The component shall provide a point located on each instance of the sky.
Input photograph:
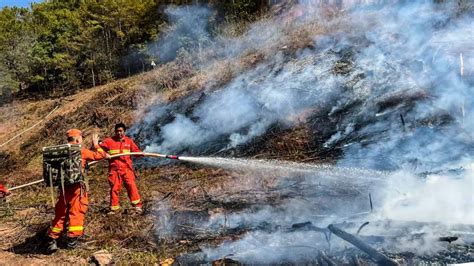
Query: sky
(20, 3)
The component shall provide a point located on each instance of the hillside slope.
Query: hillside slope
(371, 107)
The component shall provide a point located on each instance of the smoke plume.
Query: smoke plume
(389, 75)
(187, 32)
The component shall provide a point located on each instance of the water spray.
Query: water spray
(287, 167)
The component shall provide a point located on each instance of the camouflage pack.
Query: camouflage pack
(62, 165)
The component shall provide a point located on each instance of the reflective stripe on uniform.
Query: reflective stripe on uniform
(75, 228)
(114, 208)
(55, 229)
(135, 201)
(118, 151)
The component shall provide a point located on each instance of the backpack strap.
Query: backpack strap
(51, 187)
(61, 174)
(85, 177)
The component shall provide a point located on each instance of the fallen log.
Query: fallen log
(448, 238)
(378, 257)
(308, 226)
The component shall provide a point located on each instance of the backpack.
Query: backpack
(62, 165)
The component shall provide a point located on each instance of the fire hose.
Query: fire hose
(4, 191)
(30, 128)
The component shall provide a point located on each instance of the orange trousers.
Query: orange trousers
(127, 177)
(71, 207)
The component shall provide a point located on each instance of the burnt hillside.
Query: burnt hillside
(313, 115)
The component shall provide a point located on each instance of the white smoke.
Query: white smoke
(187, 31)
(276, 98)
(250, 104)
(403, 106)
(264, 248)
(439, 197)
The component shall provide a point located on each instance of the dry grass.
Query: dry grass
(129, 238)
(99, 107)
(132, 239)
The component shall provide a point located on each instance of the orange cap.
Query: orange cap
(73, 133)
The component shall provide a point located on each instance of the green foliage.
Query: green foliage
(63, 45)
(16, 40)
(53, 57)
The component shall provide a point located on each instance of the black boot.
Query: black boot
(72, 242)
(52, 246)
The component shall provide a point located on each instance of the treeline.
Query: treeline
(63, 45)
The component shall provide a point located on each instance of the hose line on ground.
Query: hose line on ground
(30, 128)
(145, 154)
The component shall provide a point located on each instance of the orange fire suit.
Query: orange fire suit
(121, 170)
(72, 205)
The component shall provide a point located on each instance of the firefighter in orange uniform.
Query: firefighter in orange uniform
(121, 169)
(72, 205)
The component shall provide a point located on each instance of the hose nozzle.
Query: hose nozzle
(174, 157)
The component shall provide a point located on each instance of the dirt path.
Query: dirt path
(9, 258)
(11, 233)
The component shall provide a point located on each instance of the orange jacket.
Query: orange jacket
(88, 155)
(115, 146)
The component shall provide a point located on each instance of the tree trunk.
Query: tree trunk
(93, 76)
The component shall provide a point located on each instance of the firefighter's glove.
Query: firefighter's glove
(95, 139)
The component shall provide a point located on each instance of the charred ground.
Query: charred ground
(183, 194)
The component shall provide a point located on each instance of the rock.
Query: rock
(102, 257)
(167, 262)
(27, 212)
